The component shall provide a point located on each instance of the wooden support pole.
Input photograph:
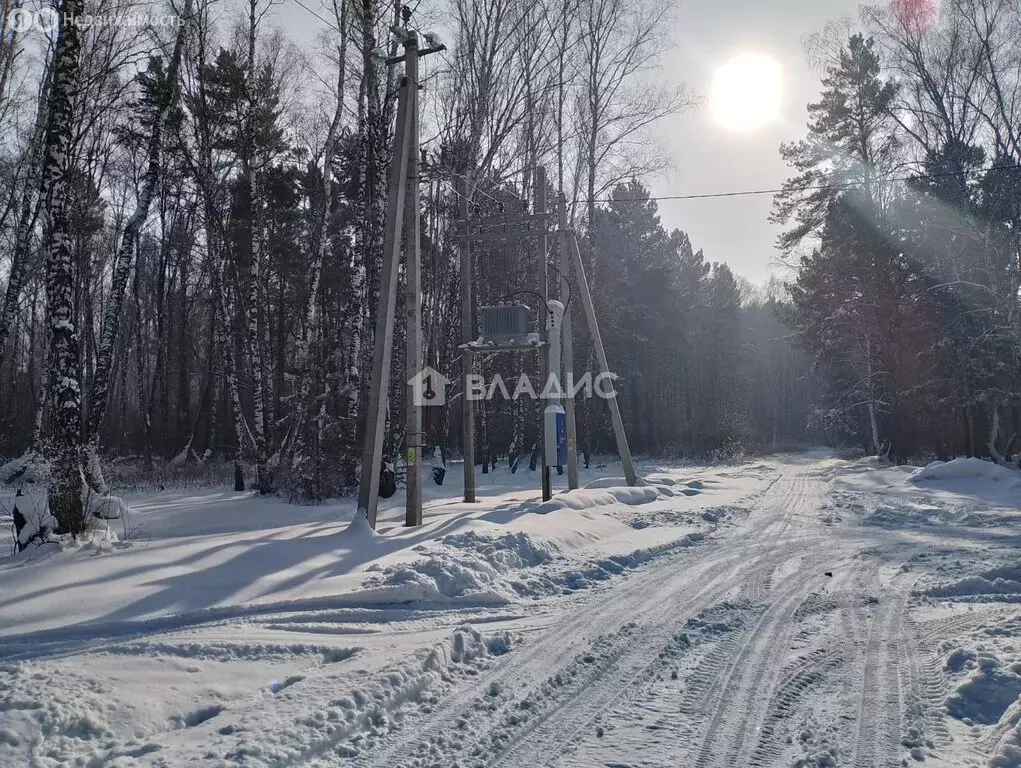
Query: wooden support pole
(590, 313)
(372, 448)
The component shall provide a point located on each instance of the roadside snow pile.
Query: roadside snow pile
(357, 718)
(439, 578)
(470, 645)
(473, 572)
(1008, 739)
(482, 567)
(592, 498)
(985, 681)
(487, 570)
(963, 469)
(998, 582)
(512, 550)
(986, 695)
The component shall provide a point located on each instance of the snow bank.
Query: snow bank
(497, 571)
(27, 468)
(1008, 744)
(512, 550)
(468, 566)
(598, 497)
(963, 469)
(998, 581)
(357, 717)
(986, 695)
(438, 578)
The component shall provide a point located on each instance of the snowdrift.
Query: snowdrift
(964, 469)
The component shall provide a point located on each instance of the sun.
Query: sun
(746, 92)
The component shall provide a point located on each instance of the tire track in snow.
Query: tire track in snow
(741, 704)
(688, 588)
(747, 689)
(805, 673)
(878, 741)
(773, 627)
(641, 598)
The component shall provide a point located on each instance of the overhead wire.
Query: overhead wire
(809, 188)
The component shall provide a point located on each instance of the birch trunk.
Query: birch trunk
(27, 217)
(223, 308)
(100, 394)
(254, 311)
(65, 492)
(994, 431)
(320, 242)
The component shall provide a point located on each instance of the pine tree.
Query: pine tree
(846, 293)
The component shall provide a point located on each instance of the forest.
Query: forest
(192, 225)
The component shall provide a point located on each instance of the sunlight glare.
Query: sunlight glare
(746, 92)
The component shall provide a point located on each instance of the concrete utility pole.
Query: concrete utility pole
(401, 204)
(604, 367)
(566, 297)
(372, 448)
(540, 210)
(413, 295)
(502, 228)
(467, 336)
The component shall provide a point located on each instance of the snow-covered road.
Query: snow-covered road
(830, 620)
(748, 626)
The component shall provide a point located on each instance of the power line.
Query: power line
(811, 188)
(326, 21)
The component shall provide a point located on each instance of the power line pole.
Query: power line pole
(467, 336)
(372, 448)
(413, 294)
(540, 211)
(402, 202)
(568, 345)
(604, 367)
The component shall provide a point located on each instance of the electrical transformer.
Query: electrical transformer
(506, 324)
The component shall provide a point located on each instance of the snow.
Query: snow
(26, 469)
(33, 506)
(1008, 741)
(964, 469)
(793, 611)
(106, 507)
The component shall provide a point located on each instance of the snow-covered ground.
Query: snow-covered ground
(796, 611)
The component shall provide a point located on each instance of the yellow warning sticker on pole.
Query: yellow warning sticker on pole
(412, 456)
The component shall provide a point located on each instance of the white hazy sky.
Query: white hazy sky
(706, 157)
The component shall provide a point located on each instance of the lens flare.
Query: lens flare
(916, 16)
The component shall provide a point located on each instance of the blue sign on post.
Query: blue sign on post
(561, 439)
(556, 436)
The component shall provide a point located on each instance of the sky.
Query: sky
(708, 158)
(705, 157)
